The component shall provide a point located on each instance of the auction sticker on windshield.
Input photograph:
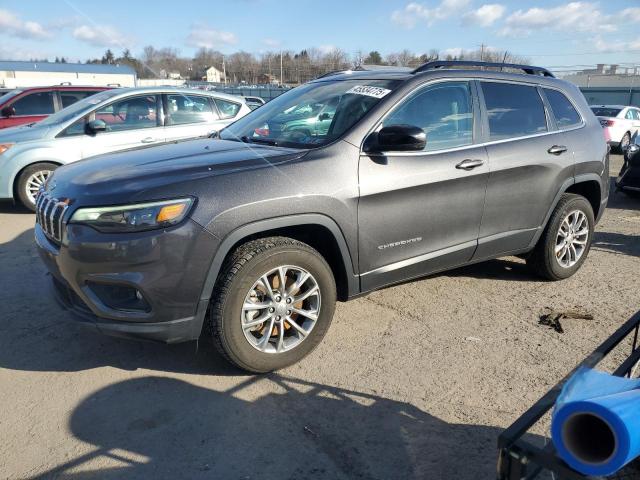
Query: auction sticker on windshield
(376, 92)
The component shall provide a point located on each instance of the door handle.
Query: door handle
(470, 164)
(148, 140)
(557, 150)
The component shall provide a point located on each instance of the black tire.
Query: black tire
(626, 138)
(543, 261)
(21, 183)
(237, 276)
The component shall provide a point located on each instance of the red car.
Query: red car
(29, 105)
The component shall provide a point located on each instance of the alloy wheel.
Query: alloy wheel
(281, 309)
(572, 238)
(34, 182)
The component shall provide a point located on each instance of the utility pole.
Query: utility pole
(482, 52)
(281, 79)
(224, 70)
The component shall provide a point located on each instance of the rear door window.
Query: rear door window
(69, 97)
(227, 109)
(563, 110)
(513, 110)
(185, 109)
(37, 103)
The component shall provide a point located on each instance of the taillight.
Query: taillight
(262, 131)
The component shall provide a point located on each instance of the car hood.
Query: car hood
(23, 133)
(130, 175)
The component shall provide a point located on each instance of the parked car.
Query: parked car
(29, 105)
(254, 102)
(256, 234)
(107, 122)
(629, 177)
(620, 123)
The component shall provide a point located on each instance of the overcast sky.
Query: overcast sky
(550, 33)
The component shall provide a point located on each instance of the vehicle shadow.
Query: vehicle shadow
(619, 243)
(36, 335)
(156, 427)
(507, 269)
(7, 206)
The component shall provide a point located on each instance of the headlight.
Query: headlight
(4, 147)
(134, 218)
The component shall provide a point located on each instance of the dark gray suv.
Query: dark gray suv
(251, 237)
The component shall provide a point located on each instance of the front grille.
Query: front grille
(49, 215)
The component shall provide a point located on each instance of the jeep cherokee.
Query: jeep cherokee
(251, 237)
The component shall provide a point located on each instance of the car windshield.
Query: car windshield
(72, 111)
(311, 115)
(606, 111)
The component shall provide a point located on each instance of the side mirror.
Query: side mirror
(96, 126)
(632, 149)
(397, 138)
(324, 116)
(8, 112)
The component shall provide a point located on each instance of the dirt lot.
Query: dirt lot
(414, 381)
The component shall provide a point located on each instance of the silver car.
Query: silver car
(107, 122)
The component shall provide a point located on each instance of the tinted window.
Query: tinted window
(444, 111)
(629, 115)
(69, 97)
(564, 112)
(129, 114)
(40, 103)
(227, 109)
(606, 111)
(76, 128)
(182, 109)
(513, 110)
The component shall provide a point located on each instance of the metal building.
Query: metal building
(33, 74)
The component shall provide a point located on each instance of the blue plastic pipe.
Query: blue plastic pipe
(596, 422)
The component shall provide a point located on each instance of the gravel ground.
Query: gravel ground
(414, 381)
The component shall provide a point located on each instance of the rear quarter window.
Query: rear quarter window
(513, 110)
(563, 110)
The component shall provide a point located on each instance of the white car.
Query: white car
(620, 123)
(107, 122)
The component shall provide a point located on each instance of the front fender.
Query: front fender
(12, 163)
(276, 223)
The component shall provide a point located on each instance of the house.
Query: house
(214, 75)
(20, 74)
(268, 79)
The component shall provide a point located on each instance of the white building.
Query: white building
(35, 74)
(214, 75)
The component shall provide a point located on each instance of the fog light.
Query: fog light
(120, 297)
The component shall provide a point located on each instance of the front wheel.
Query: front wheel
(30, 180)
(565, 242)
(272, 304)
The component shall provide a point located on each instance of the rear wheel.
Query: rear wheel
(272, 304)
(565, 242)
(30, 180)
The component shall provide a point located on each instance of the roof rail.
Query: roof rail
(438, 64)
(335, 72)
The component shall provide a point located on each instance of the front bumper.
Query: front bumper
(168, 267)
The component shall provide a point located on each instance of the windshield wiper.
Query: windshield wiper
(264, 141)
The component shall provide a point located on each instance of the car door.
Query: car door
(528, 159)
(190, 116)
(29, 107)
(420, 212)
(131, 122)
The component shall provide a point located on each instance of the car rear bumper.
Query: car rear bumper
(167, 268)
